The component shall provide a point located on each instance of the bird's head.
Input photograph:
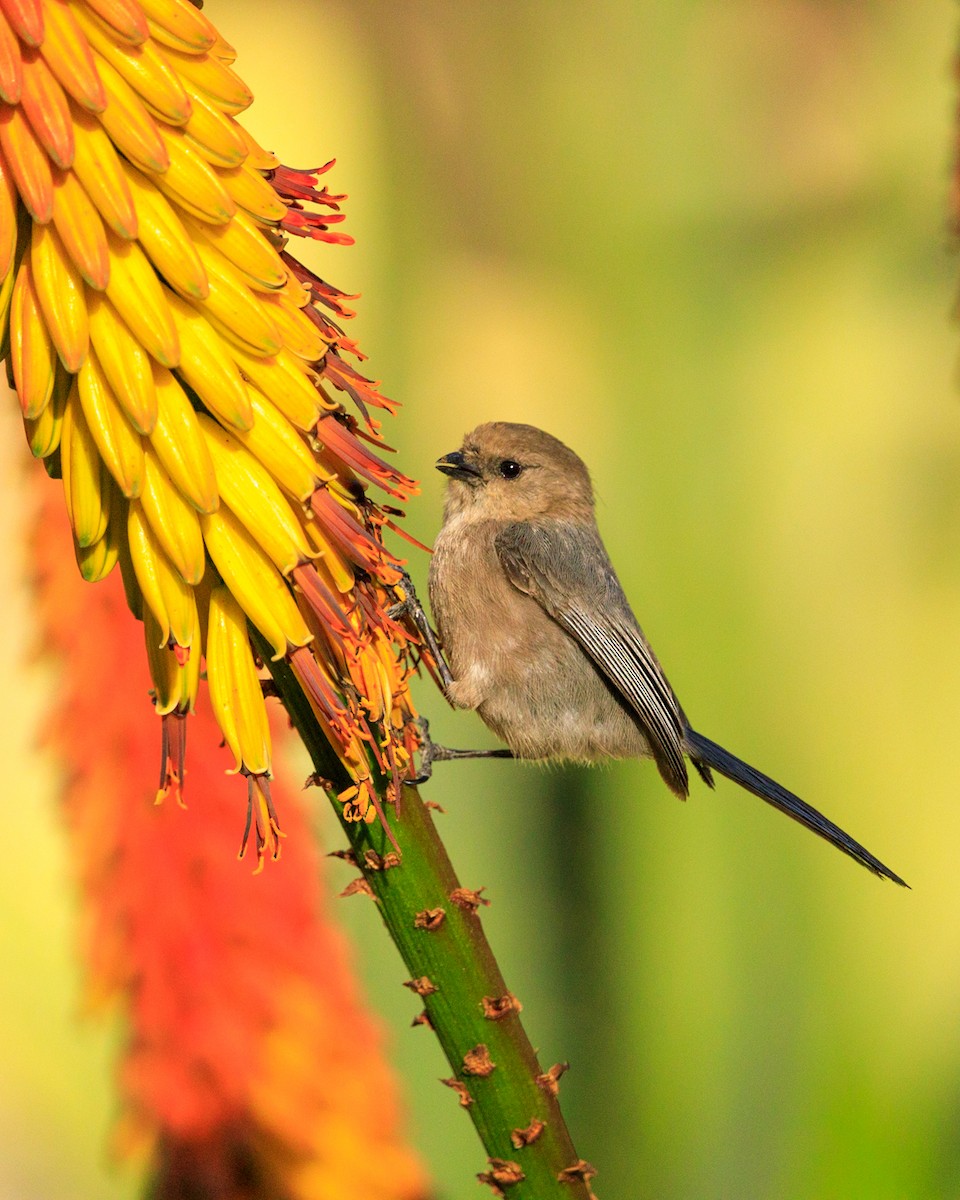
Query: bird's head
(508, 472)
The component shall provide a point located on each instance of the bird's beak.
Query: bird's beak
(455, 465)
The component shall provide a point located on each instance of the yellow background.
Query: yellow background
(706, 245)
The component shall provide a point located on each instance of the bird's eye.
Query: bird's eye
(509, 469)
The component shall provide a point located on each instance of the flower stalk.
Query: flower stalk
(434, 922)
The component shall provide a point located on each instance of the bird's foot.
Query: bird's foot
(431, 752)
(411, 607)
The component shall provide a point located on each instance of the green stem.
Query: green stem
(435, 926)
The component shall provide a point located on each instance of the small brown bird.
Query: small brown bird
(540, 637)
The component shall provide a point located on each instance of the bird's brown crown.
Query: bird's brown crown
(511, 472)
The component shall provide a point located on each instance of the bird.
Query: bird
(540, 639)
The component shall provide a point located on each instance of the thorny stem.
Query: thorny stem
(434, 923)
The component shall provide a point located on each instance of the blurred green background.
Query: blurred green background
(706, 245)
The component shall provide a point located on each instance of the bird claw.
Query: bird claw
(411, 607)
(410, 604)
(431, 752)
(428, 753)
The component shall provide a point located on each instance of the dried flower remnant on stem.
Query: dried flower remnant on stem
(183, 374)
(527, 1136)
(478, 1062)
(502, 1174)
(496, 1008)
(550, 1079)
(463, 1092)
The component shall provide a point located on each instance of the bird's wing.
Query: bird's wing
(564, 567)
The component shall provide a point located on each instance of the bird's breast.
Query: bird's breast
(487, 627)
(529, 680)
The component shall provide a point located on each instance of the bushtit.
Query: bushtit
(540, 637)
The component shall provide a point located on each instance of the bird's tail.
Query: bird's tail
(712, 755)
